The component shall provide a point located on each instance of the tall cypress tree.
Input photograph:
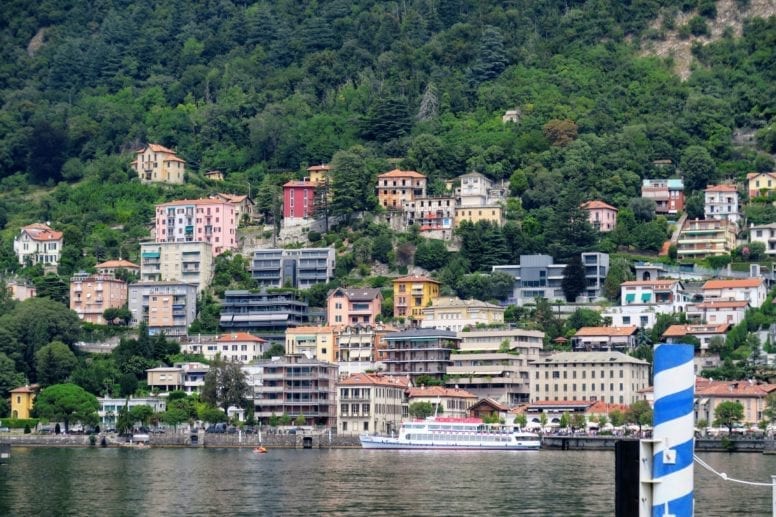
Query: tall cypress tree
(573, 283)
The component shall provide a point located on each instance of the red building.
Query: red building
(298, 199)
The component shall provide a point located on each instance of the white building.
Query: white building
(38, 244)
(765, 234)
(752, 290)
(110, 406)
(704, 332)
(240, 347)
(371, 403)
(721, 202)
(605, 338)
(611, 377)
(718, 311)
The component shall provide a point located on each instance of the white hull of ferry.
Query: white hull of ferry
(381, 442)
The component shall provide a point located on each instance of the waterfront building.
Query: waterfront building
(263, 313)
(703, 238)
(538, 276)
(357, 348)
(601, 215)
(351, 306)
(192, 220)
(411, 294)
(158, 164)
(487, 408)
(495, 363)
(397, 186)
(23, 400)
(611, 377)
(90, 295)
(760, 183)
(298, 268)
(753, 396)
(452, 313)
(453, 402)
(371, 403)
(668, 194)
(109, 408)
(766, 235)
(188, 377)
(555, 409)
(296, 386)
(38, 244)
(752, 290)
(188, 262)
(168, 307)
(419, 352)
(605, 338)
(110, 267)
(720, 202)
(317, 342)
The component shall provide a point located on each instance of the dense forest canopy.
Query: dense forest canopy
(260, 90)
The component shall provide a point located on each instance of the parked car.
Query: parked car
(231, 430)
(4, 430)
(216, 428)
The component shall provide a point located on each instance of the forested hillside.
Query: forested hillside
(260, 90)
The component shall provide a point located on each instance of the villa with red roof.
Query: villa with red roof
(110, 267)
(718, 311)
(371, 403)
(752, 290)
(319, 174)
(38, 244)
(752, 395)
(704, 333)
(601, 215)
(605, 338)
(158, 164)
(240, 347)
(397, 186)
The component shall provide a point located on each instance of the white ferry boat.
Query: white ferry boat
(454, 433)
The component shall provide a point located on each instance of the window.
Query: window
(344, 426)
(366, 426)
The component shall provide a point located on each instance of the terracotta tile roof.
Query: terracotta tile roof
(232, 198)
(322, 167)
(733, 284)
(710, 388)
(366, 379)
(752, 175)
(203, 202)
(606, 331)
(604, 408)
(655, 284)
(156, 148)
(592, 205)
(41, 232)
(487, 401)
(439, 391)
(415, 278)
(31, 388)
(241, 337)
(723, 304)
(310, 329)
(298, 183)
(396, 173)
(563, 403)
(116, 263)
(689, 330)
(720, 188)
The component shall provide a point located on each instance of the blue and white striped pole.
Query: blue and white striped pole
(674, 431)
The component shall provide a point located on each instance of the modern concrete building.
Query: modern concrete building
(703, 238)
(188, 377)
(158, 164)
(198, 220)
(538, 276)
(296, 386)
(90, 295)
(371, 403)
(263, 313)
(419, 352)
(189, 262)
(720, 202)
(668, 194)
(611, 377)
(317, 342)
(298, 268)
(496, 363)
(38, 244)
(411, 294)
(168, 307)
(358, 348)
(351, 306)
(452, 313)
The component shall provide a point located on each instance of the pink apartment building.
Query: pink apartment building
(90, 295)
(602, 216)
(346, 306)
(198, 220)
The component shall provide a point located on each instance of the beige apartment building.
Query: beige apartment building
(452, 313)
(318, 342)
(371, 403)
(611, 377)
(90, 295)
(189, 262)
(158, 164)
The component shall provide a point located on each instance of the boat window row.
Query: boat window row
(457, 438)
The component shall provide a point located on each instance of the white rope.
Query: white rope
(725, 476)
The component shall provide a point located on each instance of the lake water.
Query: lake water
(47, 481)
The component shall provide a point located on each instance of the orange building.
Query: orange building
(90, 295)
(411, 294)
(396, 187)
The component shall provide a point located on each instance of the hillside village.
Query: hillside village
(355, 213)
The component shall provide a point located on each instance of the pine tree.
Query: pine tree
(573, 283)
(492, 58)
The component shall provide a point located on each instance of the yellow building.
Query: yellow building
(319, 174)
(493, 214)
(158, 164)
(411, 294)
(23, 400)
(320, 342)
(760, 183)
(452, 313)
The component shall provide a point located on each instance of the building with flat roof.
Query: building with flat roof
(188, 377)
(419, 352)
(605, 338)
(318, 342)
(704, 238)
(192, 220)
(189, 262)
(108, 411)
(165, 307)
(298, 268)
(411, 294)
(371, 403)
(263, 313)
(611, 377)
(90, 295)
(452, 313)
(721, 202)
(668, 194)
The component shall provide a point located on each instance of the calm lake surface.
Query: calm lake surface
(48, 481)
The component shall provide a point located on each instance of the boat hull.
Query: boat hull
(377, 442)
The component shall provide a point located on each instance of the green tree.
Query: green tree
(698, 168)
(565, 420)
(578, 421)
(521, 420)
(491, 61)
(225, 385)
(54, 363)
(583, 317)
(67, 403)
(141, 413)
(174, 416)
(617, 417)
(431, 254)
(619, 271)
(211, 415)
(643, 208)
(728, 413)
(424, 409)
(639, 413)
(300, 420)
(9, 377)
(127, 384)
(574, 282)
(353, 180)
